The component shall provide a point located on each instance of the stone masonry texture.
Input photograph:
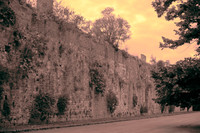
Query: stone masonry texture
(65, 71)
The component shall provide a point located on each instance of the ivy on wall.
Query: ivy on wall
(97, 80)
(42, 108)
(62, 104)
(7, 15)
(143, 109)
(22, 54)
(112, 101)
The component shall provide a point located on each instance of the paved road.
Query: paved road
(185, 123)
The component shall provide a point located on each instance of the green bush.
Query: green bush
(97, 78)
(135, 99)
(143, 109)
(42, 108)
(62, 104)
(112, 101)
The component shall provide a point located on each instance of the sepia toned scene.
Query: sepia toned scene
(88, 66)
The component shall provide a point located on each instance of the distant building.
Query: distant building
(44, 6)
(143, 57)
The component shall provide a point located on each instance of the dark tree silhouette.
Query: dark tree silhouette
(188, 14)
(178, 84)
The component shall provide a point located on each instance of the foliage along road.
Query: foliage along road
(184, 123)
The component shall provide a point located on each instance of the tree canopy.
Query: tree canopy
(110, 28)
(188, 14)
(178, 84)
(69, 16)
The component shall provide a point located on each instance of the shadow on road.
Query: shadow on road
(190, 128)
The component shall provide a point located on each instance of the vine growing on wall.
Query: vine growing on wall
(26, 51)
(24, 48)
(7, 15)
(97, 80)
(112, 101)
(42, 108)
(33, 51)
(143, 109)
(62, 104)
(22, 54)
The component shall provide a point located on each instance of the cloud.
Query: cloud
(139, 19)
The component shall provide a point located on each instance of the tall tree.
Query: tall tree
(188, 14)
(110, 28)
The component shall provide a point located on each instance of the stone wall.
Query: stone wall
(65, 71)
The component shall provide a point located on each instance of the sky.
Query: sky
(147, 29)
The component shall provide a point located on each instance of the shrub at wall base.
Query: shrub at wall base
(42, 109)
(112, 101)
